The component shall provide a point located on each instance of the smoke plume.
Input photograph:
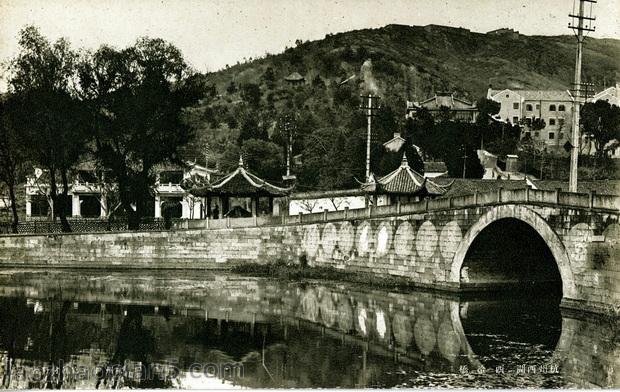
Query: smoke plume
(369, 83)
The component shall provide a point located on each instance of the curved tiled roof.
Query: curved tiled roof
(405, 180)
(294, 77)
(241, 182)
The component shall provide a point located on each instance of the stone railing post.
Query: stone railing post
(228, 222)
(369, 210)
(527, 194)
(475, 198)
(346, 212)
(499, 194)
(450, 202)
(592, 196)
(300, 216)
(207, 223)
(557, 195)
(426, 204)
(324, 214)
(255, 220)
(398, 206)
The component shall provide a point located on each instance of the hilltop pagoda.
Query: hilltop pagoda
(403, 185)
(240, 193)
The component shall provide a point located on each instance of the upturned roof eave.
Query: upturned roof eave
(260, 186)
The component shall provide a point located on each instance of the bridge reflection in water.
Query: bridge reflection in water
(260, 333)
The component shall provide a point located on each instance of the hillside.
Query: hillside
(408, 63)
(415, 62)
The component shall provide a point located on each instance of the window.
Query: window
(528, 107)
(537, 134)
(552, 108)
(515, 105)
(561, 108)
(552, 121)
(515, 120)
(551, 135)
(537, 106)
(507, 95)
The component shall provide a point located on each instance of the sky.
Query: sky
(213, 33)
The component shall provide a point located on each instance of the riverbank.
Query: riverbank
(299, 273)
(296, 272)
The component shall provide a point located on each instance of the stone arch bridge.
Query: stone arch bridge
(567, 242)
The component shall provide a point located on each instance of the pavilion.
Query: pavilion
(403, 185)
(240, 193)
(295, 79)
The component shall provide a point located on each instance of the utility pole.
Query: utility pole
(289, 128)
(370, 107)
(464, 160)
(289, 150)
(577, 24)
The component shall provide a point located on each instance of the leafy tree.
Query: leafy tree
(12, 157)
(486, 108)
(210, 90)
(232, 87)
(46, 111)
(333, 158)
(250, 128)
(601, 120)
(345, 96)
(263, 158)
(136, 96)
(269, 77)
(317, 82)
(251, 94)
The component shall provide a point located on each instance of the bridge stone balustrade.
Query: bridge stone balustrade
(440, 244)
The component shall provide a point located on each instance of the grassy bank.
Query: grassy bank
(289, 272)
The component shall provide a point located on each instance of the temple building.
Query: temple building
(241, 194)
(89, 191)
(403, 185)
(170, 195)
(457, 109)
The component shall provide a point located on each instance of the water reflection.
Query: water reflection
(174, 330)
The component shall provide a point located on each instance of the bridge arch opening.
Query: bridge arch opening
(513, 245)
(510, 253)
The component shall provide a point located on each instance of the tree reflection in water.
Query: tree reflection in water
(282, 334)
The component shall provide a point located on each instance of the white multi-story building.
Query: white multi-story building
(555, 107)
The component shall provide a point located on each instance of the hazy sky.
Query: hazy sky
(213, 33)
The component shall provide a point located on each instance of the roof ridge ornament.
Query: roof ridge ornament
(241, 160)
(404, 161)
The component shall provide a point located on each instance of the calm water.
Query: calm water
(110, 330)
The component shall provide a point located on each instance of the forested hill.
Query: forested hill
(414, 61)
(408, 63)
